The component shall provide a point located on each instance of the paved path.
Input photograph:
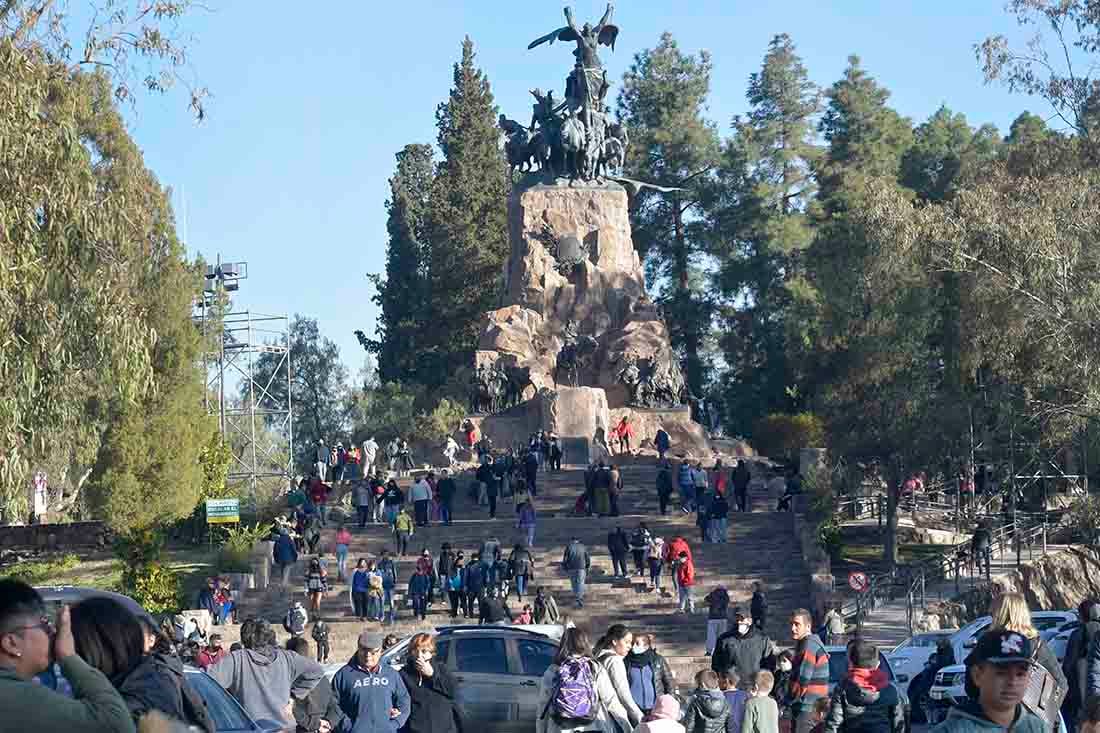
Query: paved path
(888, 624)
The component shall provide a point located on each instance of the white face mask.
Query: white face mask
(785, 666)
(640, 648)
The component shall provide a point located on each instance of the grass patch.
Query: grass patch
(41, 572)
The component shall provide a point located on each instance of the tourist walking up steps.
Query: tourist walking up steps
(639, 543)
(647, 673)
(718, 608)
(576, 562)
(610, 651)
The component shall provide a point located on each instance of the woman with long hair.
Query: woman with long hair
(431, 689)
(610, 650)
(574, 661)
(111, 639)
(1010, 612)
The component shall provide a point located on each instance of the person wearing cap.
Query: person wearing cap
(212, 653)
(264, 678)
(865, 701)
(997, 674)
(372, 695)
(744, 649)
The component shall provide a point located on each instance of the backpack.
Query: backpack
(574, 700)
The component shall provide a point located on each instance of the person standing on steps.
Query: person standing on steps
(615, 490)
(284, 555)
(555, 453)
(758, 607)
(618, 546)
(402, 531)
(664, 486)
(744, 649)
(639, 543)
(576, 562)
(493, 610)
(741, 478)
(684, 568)
(662, 442)
(531, 471)
(522, 565)
(672, 552)
(420, 585)
(343, 539)
(475, 583)
(686, 483)
(370, 454)
(610, 651)
(359, 589)
(655, 555)
(492, 487)
(364, 502)
(388, 570)
(447, 491)
(526, 519)
(455, 582)
(545, 607)
(810, 674)
(392, 499)
(421, 495)
(718, 609)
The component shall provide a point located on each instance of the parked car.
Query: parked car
(909, 657)
(225, 711)
(497, 670)
(838, 670)
(949, 686)
(56, 596)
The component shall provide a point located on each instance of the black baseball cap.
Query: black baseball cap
(1002, 647)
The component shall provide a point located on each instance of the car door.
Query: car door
(533, 656)
(486, 690)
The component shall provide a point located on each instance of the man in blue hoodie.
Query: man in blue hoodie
(371, 694)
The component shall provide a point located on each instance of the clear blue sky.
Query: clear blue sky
(289, 171)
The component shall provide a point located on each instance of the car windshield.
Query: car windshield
(223, 709)
(922, 640)
(838, 666)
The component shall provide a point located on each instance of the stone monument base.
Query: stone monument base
(688, 436)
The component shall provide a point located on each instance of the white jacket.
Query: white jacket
(625, 706)
(606, 720)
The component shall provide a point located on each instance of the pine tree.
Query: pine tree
(467, 222)
(662, 106)
(762, 227)
(402, 294)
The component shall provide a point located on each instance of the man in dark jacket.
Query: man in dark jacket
(447, 491)
(284, 555)
(576, 562)
(758, 607)
(531, 471)
(981, 548)
(664, 486)
(741, 479)
(317, 707)
(618, 545)
(492, 610)
(208, 601)
(371, 694)
(1092, 669)
(1076, 659)
(865, 701)
(662, 443)
(744, 649)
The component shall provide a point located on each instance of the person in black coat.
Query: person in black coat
(618, 545)
(319, 705)
(865, 701)
(431, 689)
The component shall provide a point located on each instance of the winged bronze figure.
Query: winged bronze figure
(588, 37)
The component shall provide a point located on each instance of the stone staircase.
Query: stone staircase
(761, 547)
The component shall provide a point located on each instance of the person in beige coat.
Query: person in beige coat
(610, 651)
(575, 643)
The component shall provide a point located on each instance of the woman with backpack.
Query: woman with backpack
(575, 693)
(647, 673)
(610, 650)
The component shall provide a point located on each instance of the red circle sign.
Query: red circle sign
(858, 581)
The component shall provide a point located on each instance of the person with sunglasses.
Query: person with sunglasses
(27, 638)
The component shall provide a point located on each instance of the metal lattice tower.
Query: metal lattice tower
(254, 411)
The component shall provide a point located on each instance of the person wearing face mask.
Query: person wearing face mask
(610, 650)
(647, 674)
(744, 649)
(784, 663)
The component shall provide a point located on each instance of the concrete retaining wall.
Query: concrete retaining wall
(55, 536)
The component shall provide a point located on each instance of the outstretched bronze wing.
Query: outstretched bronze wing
(608, 34)
(561, 34)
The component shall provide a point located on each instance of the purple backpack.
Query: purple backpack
(574, 698)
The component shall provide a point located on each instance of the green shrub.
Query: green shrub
(157, 588)
(782, 436)
(235, 553)
(42, 572)
(1083, 520)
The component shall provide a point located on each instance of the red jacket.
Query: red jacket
(205, 657)
(673, 549)
(685, 574)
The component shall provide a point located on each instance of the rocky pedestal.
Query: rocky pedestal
(573, 266)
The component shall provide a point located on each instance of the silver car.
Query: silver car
(497, 670)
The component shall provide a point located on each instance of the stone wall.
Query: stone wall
(1055, 582)
(55, 536)
(815, 558)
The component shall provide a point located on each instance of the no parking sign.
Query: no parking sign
(858, 582)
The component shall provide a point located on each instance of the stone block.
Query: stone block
(574, 412)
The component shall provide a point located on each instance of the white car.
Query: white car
(909, 657)
(949, 686)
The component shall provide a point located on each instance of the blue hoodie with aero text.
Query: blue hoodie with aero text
(366, 698)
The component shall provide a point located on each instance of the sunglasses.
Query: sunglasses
(44, 623)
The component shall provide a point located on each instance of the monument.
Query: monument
(578, 343)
